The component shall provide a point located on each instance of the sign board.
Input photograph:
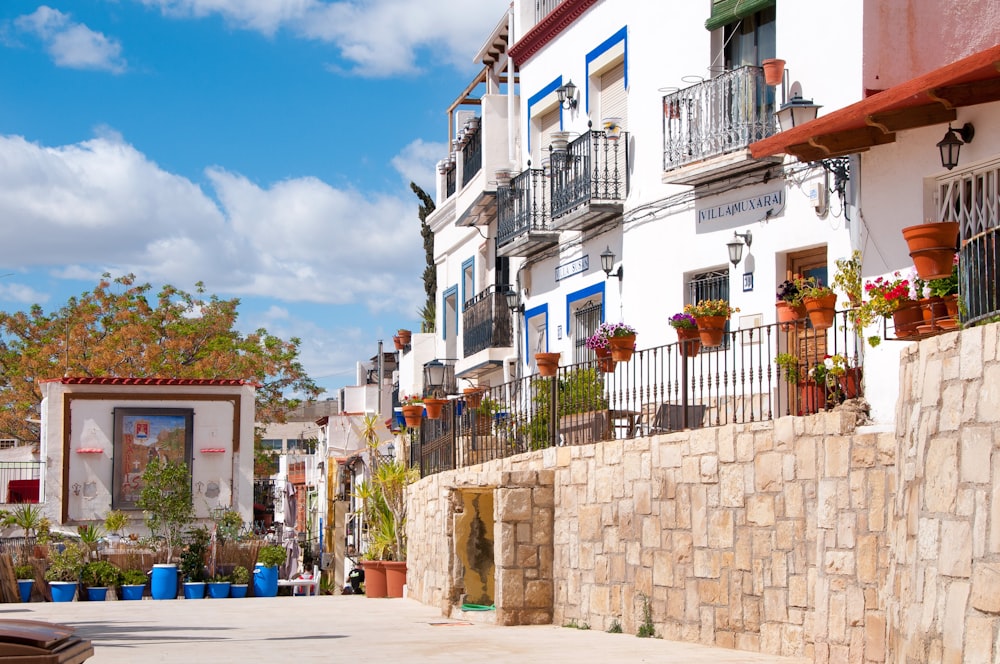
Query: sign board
(577, 266)
(745, 210)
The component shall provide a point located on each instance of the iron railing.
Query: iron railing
(978, 276)
(472, 155)
(522, 207)
(658, 390)
(22, 481)
(593, 168)
(544, 7)
(721, 115)
(450, 180)
(486, 322)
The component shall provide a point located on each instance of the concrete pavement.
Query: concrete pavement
(341, 629)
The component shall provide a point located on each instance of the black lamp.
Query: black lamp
(567, 95)
(608, 262)
(951, 144)
(513, 303)
(736, 246)
(434, 375)
(797, 111)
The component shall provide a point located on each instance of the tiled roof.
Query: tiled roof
(122, 380)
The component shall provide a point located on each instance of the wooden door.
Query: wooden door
(808, 344)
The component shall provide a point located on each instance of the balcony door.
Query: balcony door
(614, 100)
(806, 344)
(548, 124)
(750, 40)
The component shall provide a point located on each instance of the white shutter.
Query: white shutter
(547, 124)
(614, 101)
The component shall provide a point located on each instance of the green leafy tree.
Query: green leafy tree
(165, 498)
(119, 329)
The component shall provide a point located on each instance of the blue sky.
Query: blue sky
(263, 147)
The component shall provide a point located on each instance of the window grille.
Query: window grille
(585, 322)
(712, 285)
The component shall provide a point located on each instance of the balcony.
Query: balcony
(708, 127)
(589, 181)
(524, 226)
(472, 153)
(487, 333)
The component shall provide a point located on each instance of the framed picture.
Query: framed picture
(144, 434)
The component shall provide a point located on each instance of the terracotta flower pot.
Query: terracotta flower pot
(413, 415)
(906, 318)
(850, 383)
(433, 408)
(951, 307)
(605, 363)
(397, 342)
(821, 310)
(375, 582)
(395, 577)
(622, 347)
(473, 396)
(812, 398)
(932, 248)
(933, 311)
(689, 340)
(774, 71)
(405, 336)
(711, 330)
(548, 363)
(789, 314)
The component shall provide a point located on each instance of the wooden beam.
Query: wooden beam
(910, 118)
(967, 94)
(851, 140)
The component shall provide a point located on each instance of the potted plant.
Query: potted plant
(97, 576)
(115, 523)
(598, 342)
(891, 297)
(821, 304)
(827, 375)
(238, 581)
(133, 583)
(25, 574)
(789, 366)
(265, 573)
(547, 363)
(413, 410)
(64, 570)
(25, 516)
(711, 317)
(434, 406)
(405, 336)
(165, 498)
(621, 339)
(193, 563)
(473, 395)
(484, 414)
(932, 247)
(218, 586)
(946, 289)
(788, 305)
(687, 333)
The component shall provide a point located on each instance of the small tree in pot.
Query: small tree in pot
(165, 498)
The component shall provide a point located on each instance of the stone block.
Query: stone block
(775, 605)
(760, 510)
(798, 593)
(805, 458)
(826, 504)
(977, 447)
(953, 626)
(955, 558)
(709, 469)
(699, 515)
(590, 524)
(515, 504)
(979, 639)
(720, 529)
(836, 456)
(837, 617)
(767, 471)
(886, 446)
(702, 441)
(706, 564)
(867, 558)
(839, 562)
(986, 588)
(731, 486)
(642, 498)
(941, 482)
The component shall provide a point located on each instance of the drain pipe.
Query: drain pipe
(510, 86)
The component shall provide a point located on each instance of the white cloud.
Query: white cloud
(381, 37)
(70, 44)
(418, 163)
(101, 206)
(24, 294)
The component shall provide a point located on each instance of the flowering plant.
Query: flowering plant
(791, 290)
(410, 400)
(886, 295)
(827, 372)
(683, 321)
(597, 341)
(609, 330)
(710, 308)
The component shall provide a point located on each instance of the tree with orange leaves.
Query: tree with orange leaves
(115, 330)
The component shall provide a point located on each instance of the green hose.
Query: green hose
(478, 607)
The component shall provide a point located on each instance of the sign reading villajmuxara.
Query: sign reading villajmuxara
(744, 210)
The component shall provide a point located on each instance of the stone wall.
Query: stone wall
(767, 537)
(943, 589)
(801, 536)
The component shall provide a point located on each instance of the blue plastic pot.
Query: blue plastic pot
(218, 590)
(98, 594)
(62, 591)
(238, 591)
(163, 585)
(265, 581)
(24, 586)
(132, 592)
(194, 590)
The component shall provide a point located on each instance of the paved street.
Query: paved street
(340, 629)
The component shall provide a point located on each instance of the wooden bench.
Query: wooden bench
(310, 585)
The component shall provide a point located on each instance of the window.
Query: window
(585, 321)
(711, 285)
(750, 39)
(468, 282)
(271, 444)
(7, 443)
(293, 444)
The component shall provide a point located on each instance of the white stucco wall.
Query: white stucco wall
(87, 491)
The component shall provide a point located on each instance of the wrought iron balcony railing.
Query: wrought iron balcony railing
(544, 7)
(486, 322)
(472, 155)
(450, 178)
(721, 115)
(593, 168)
(523, 206)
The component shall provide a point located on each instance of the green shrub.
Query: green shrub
(240, 576)
(133, 577)
(100, 574)
(272, 555)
